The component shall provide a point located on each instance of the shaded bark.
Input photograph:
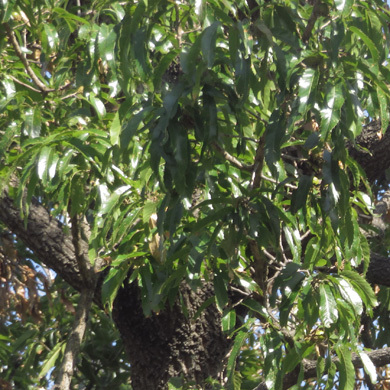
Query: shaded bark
(45, 236)
(372, 151)
(170, 343)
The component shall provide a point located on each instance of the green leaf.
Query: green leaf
(69, 16)
(175, 383)
(212, 218)
(369, 366)
(6, 10)
(346, 368)
(307, 87)
(383, 105)
(115, 130)
(293, 240)
(238, 342)
(209, 38)
(362, 287)
(328, 306)
(370, 44)
(97, 105)
(220, 290)
(112, 282)
(43, 162)
(344, 6)
(351, 296)
(330, 114)
(51, 358)
(77, 196)
(229, 321)
(32, 123)
(299, 196)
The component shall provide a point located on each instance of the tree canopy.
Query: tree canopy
(194, 194)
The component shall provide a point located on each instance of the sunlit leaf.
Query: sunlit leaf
(328, 306)
(330, 114)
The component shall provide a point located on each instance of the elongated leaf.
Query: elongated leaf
(328, 306)
(370, 44)
(238, 342)
(209, 38)
(346, 368)
(369, 366)
(351, 296)
(229, 321)
(307, 87)
(32, 124)
(113, 281)
(363, 288)
(43, 161)
(300, 195)
(383, 105)
(330, 114)
(220, 291)
(343, 6)
(51, 359)
(115, 129)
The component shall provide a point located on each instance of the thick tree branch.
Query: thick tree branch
(371, 151)
(75, 338)
(83, 261)
(45, 236)
(319, 9)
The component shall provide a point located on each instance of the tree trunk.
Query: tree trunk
(170, 343)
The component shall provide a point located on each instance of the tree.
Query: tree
(187, 194)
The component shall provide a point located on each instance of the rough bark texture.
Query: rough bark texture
(45, 236)
(372, 151)
(379, 270)
(170, 343)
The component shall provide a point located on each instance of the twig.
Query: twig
(270, 179)
(258, 165)
(19, 53)
(24, 84)
(238, 164)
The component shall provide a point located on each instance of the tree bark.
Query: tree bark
(170, 343)
(371, 151)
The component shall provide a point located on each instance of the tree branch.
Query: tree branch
(24, 84)
(73, 344)
(45, 236)
(316, 12)
(238, 164)
(12, 38)
(83, 261)
(258, 164)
